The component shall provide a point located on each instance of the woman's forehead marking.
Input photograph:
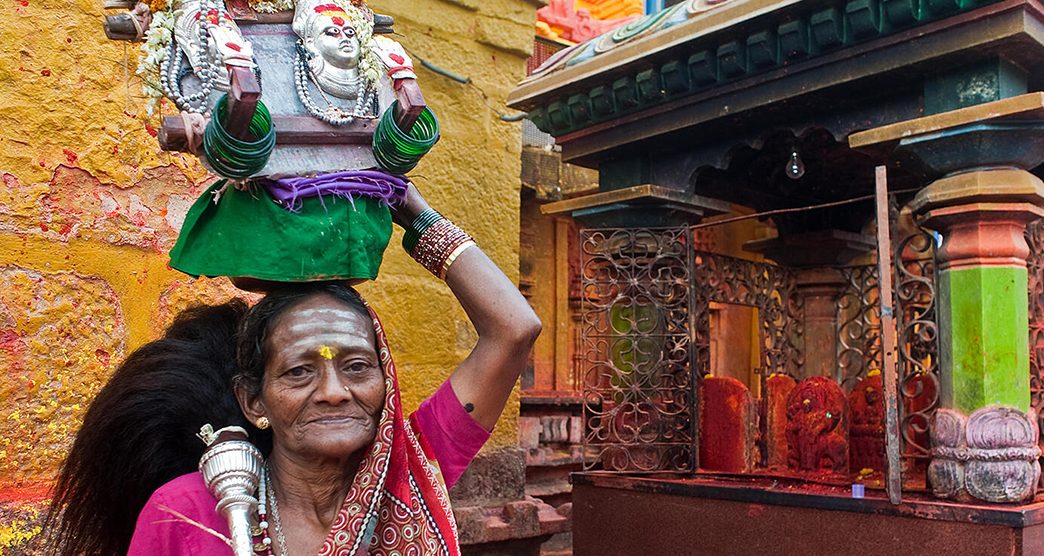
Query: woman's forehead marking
(327, 352)
(333, 327)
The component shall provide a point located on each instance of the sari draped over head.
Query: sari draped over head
(397, 503)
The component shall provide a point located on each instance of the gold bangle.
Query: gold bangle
(453, 257)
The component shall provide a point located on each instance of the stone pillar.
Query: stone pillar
(820, 289)
(819, 286)
(983, 334)
(983, 318)
(984, 443)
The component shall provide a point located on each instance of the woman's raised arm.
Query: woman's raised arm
(506, 325)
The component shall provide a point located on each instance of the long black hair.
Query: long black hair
(139, 432)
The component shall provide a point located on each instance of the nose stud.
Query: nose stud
(346, 388)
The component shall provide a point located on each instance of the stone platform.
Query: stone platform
(708, 515)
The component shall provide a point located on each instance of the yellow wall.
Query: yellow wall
(89, 207)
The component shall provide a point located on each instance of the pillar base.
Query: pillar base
(991, 455)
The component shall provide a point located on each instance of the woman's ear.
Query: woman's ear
(250, 404)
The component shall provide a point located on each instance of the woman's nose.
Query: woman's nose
(332, 388)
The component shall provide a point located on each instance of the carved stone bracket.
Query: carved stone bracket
(992, 455)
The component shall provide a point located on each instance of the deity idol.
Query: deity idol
(340, 55)
(319, 180)
(211, 42)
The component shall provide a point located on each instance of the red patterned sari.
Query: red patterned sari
(398, 502)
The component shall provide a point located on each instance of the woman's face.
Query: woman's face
(323, 387)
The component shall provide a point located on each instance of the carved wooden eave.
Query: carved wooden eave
(700, 72)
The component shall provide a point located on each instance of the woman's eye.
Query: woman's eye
(333, 31)
(359, 367)
(297, 372)
(349, 32)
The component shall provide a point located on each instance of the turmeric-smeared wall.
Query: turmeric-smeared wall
(89, 207)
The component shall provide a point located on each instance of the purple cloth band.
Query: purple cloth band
(289, 192)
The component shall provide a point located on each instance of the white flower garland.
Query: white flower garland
(271, 6)
(154, 51)
(156, 47)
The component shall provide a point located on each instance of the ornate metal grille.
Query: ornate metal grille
(859, 335)
(768, 287)
(859, 325)
(1035, 266)
(639, 395)
(918, 340)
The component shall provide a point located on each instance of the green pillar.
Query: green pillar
(983, 316)
(984, 441)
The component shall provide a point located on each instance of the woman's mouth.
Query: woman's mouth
(335, 419)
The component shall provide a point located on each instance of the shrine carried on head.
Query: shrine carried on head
(307, 111)
(890, 151)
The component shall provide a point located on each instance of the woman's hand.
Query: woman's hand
(404, 214)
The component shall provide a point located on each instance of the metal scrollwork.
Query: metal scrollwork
(639, 396)
(859, 325)
(915, 296)
(769, 288)
(1035, 267)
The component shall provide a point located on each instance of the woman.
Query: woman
(347, 474)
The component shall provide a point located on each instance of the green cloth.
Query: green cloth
(247, 234)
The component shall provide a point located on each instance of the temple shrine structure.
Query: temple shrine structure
(797, 292)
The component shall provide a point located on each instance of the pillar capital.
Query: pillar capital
(831, 248)
(1002, 185)
(982, 216)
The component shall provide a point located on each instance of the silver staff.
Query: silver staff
(231, 469)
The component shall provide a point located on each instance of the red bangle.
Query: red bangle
(439, 245)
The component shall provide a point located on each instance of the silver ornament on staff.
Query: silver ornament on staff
(231, 469)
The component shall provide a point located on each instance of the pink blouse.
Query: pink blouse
(451, 433)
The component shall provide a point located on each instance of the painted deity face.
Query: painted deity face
(337, 41)
(323, 387)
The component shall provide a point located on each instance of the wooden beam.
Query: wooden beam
(1029, 106)
(638, 194)
(889, 354)
(382, 24)
(290, 130)
(243, 96)
(127, 26)
(411, 103)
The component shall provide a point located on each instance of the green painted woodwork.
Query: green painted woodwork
(623, 172)
(763, 49)
(788, 35)
(984, 338)
(985, 81)
(793, 40)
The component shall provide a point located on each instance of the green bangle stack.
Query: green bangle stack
(232, 158)
(422, 222)
(398, 152)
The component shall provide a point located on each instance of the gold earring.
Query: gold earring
(262, 423)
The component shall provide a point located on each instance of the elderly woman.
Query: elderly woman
(315, 384)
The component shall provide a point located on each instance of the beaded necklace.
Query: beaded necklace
(275, 514)
(210, 14)
(170, 68)
(264, 548)
(333, 115)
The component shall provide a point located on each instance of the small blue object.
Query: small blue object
(653, 6)
(858, 490)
